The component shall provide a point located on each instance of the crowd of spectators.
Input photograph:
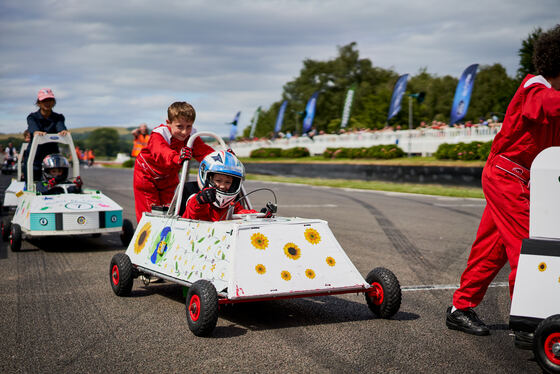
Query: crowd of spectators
(491, 123)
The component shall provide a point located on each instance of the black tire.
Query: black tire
(6, 228)
(546, 344)
(127, 232)
(121, 275)
(384, 299)
(202, 308)
(15, 237)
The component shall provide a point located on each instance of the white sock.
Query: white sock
(453, 308)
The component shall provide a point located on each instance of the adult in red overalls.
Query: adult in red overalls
(158, 164)
(531, 124)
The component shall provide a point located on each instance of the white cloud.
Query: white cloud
(123, 63)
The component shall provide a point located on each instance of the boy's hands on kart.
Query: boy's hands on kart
(185, 154)
(51, 183)
(206, 196)
(78, 182)
(269, 210)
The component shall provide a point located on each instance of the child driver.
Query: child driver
(220, 176)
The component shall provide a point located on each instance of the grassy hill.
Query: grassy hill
(77, 130)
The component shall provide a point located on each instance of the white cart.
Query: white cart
(87, 213)
(246, 258)
(535, 306)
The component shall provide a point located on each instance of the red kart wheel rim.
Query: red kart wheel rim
(115, 275)
(376, 293)
(551, 340)
(194, 308)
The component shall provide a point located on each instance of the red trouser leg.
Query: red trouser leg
(148, 193)
(504, 224)
(145, 195)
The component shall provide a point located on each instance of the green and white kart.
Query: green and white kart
(64, 214)
(243, 258)
(535, 306)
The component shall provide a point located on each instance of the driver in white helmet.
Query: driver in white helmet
(220, 176)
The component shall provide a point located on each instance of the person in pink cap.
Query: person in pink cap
(44, 121)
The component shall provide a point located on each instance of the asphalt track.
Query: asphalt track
(59, 314)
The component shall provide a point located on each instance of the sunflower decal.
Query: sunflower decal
(259, 241)
(309, 273)
(330, 261)
(142, 238)
(292, 251)
(312, 236)
(260, 268)
(286, 275)
(542, 266)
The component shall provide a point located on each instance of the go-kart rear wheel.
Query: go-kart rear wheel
(127, 232)
(546, 344)
(121, 274)
(202, 308)
(384, 297)
(15, 237)
(6, 228)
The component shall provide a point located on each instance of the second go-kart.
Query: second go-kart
(65, 213)
(16, 185)
(535, 306)
(244, 258)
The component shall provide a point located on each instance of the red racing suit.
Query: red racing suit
(531, 124)
(210, 212)
(157, 167)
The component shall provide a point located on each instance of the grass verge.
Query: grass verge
(423, 189)
(406, 161)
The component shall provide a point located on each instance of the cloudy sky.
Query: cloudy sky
(121, 63)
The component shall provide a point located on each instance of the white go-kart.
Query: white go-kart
(243, 258)
(17, 184)
(87, 213)
(535, 306)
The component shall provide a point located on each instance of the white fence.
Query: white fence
(419, 141)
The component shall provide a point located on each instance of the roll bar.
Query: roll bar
(50, 138)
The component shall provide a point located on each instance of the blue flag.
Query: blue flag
(280, 117)
(309, 113)
(233, 130)
(463, 94)
(396, 99)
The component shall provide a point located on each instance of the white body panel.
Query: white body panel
(11, 194)
(246, 258)
(537, 287)
(545, 195)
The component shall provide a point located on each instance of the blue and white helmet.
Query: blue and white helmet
(221, 162)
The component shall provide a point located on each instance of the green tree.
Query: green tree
(492, 92)
(332, 79)
(104, 141)
(526, 54)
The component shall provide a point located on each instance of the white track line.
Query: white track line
(432, 287)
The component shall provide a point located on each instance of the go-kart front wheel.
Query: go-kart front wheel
(127, 232)
(384, 296)
(6, 228)
(546, 344)
(121, 274)
(15, 237)
(202, 308)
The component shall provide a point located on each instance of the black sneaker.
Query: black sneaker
(467, 321)
(524, 340)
